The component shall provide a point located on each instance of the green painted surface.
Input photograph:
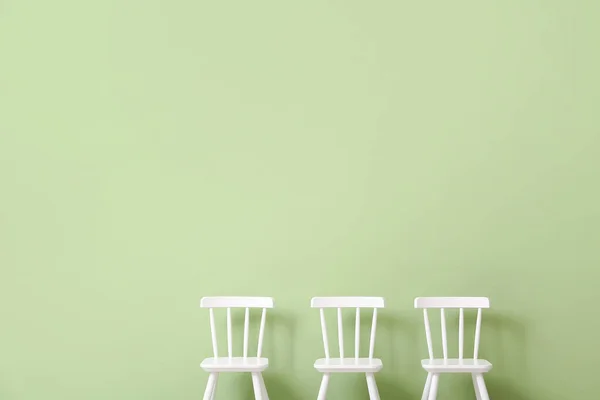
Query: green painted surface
(152, 152)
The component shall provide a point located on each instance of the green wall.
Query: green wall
(153, 152)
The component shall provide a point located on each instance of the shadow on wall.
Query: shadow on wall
(396, 345)
(281, 331)
(278, 346)
(280, 336)
(391, 388)
(395, 340)
(501, 389)
(399, 343)
(278, 387)
(504, 345)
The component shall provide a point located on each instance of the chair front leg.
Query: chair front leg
(427, 386)
(323, 388)
(435, 378)
(481, 386)
(210, 386)
(258, 392)
(372, 386)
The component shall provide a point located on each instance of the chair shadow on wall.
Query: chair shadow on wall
(280, 346)
(280, 335)
(397, 335)
(277, 387)
(395, 341)
(401, 342)
(504, 343)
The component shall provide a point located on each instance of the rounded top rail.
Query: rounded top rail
(347, 302)
(452, 302)
(236, 302)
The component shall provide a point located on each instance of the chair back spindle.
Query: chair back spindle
(428, 334)
(340, 331)
(444, 335)
(229, 334)
(213, 332)
(357, 334)
(324, 331)
(461, 332)
(477, 334)
(373, 331)
(246, 329)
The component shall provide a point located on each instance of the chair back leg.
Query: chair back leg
(214, 389)
(210, 386)
(264, 387)
(483, 393)
(323, 388)
(425, 395)
(435, 379)
(372, 386)
(475, 386)
(256, 384)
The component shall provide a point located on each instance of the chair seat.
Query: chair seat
(439, 365)
(234, 364)
(348, 365)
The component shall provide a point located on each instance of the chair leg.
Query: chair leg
(435, 378)
(372, 386)
(210, 386)
(477, 395)
(214, 389)
(323, 388)
(481, 386)
(258, 392)
(263, 387)
(426, 388)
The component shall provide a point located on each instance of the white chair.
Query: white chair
(254, 365)
(436, 366)
(329, 365)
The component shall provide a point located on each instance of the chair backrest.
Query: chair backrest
(444, 303)
(237, 302)
(348, 302)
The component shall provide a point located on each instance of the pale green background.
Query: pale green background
(152, 152)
